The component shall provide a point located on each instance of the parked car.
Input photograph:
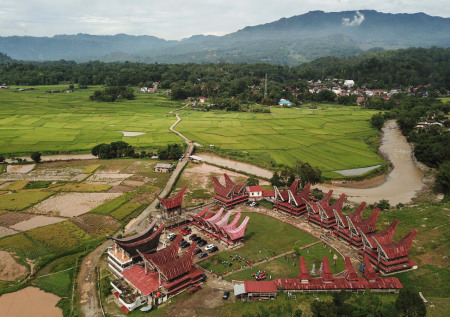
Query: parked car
(248, 203)
(192, 236)
(185, 245)
(213, 249)
(172, 236)
(185, 231)
(197, 251)
(255, 204)
(226, 294)
(209, 247)
(197, 239)
(203, 255)
(202, 243)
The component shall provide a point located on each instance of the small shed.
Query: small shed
(255, 192)
(164, 168)
(195, 159)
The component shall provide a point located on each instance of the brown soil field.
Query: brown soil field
(10, 270)
(96, 225)
(133, 183)
(71, 204)
(37, 221)
(108, 178)
(110, 169)
(30, 301)
(11, 218)
(21, 169)
(6, 232)
(120, 189)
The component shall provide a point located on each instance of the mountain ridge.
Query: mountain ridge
(289, 41)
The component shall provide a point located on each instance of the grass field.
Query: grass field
(330, 138)
(23, 199)
(69, 122)
(265, 237)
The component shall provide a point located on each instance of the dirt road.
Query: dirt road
(90, 306)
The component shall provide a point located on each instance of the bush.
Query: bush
(114, 93)
(113, 150)
(384, 204)
(36, 156)
(443, 177)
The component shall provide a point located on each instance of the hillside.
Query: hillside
(288, 41)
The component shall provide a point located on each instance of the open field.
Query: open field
(265, 237)
(330, 138)
(69, 122)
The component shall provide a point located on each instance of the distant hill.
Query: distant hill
(288, 41)
(4, 59)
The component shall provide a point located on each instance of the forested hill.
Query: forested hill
(388, 69)
(288, 41)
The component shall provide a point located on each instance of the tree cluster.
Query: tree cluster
(304, 172)
(113, 150)
(114, 93)
(170, 152)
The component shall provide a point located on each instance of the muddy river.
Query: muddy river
(400, 186)
(30, 301)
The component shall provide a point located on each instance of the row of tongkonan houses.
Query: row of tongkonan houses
(388, 256)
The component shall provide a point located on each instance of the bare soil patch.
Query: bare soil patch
(10, 270)
(30, 301)
(6, 232)
(97, 225)
(11, 218)
(108, 178)
(110, 169)
(21, 169)
(71, 204)
(120, 189)
(79, 177)
(35, 222)
(133, 183)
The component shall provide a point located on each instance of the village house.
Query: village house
(164, 168)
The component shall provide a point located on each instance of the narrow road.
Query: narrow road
(90, 306)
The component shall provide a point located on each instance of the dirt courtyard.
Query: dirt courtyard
(71, 204)
(9, 268)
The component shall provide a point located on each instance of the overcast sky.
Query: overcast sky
(177, 19)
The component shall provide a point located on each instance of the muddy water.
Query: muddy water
(30, 301)
(400, 186)
(239, 166)
(404, 181)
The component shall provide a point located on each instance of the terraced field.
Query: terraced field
(63, 122)
(331, 138)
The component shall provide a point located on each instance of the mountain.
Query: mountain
(288, 41)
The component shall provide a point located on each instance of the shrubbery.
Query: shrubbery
(114, 93)
(113, 150)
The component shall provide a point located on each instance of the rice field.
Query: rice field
(22, 199)
(330, 138)
(69, 122)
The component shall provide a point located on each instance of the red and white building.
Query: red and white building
(229, 195)
(291, 200)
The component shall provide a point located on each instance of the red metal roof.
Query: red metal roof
(349, 272)
(401, 247)
(326, 272)
(260, 287)
(268, 193)
(238, 232)
(354, 216)
(369, 272)
(145, 283)
(165, 255)
(369, 224)
(255, 189)
(175, 201)
(232, 224)
(179, 266)
(303, 273)
(384, 237)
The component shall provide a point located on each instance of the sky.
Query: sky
(177, 19)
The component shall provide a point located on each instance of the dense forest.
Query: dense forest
(391, 69)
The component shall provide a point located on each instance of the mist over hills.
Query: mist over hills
(288, 41)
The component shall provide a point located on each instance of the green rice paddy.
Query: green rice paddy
(69, 122)
(331, 138)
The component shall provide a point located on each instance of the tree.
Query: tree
(443, 177)
(298, 313)
(410, 304)
(36, 156)
(275, 180)
(384, 204)
(377, 120)
(2, 158)
(323, 309)
(252, 181)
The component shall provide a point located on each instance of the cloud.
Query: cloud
(357, 20)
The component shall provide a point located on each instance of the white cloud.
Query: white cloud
(357, 20)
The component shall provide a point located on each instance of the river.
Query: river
(400, 185)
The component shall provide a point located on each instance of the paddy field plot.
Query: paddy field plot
(35, 121)
(330, 138)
